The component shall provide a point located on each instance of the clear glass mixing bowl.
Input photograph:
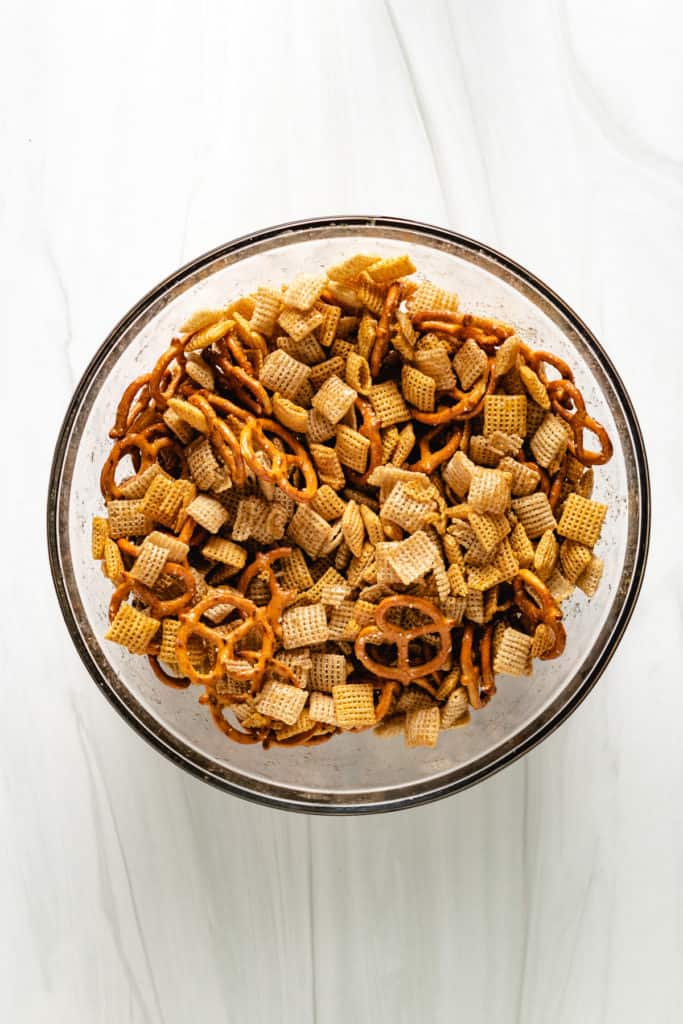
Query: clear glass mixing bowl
(356, 772)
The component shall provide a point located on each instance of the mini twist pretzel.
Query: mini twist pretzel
(537, 360)
(254, 438)
(175, 682)
(142, 448)
(224, 646)
(223, 438)
(158, 607)
(578, 419)
(370, 429)
(541, 607)
(385, 632)
(381, 343)
(430, 459)
(470, 674)
(244, 379)
(469, 404)
(279, 597)
(160, 387)
(124, 416)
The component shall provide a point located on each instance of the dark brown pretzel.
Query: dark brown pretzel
(384, 632)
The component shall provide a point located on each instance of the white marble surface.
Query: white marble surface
(134, 137)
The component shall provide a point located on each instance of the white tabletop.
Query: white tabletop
(138, 135)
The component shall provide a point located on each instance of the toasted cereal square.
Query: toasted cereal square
(582, 519)
(308, 350)
(349, 270)
(149, 563)
(128, 518)
(328, 465)
(357, 373)
(506, 560)
(327, 503)
(559, 587)
(575, 559)
(505, 414)
(281, 701)
(434, 362)
(371, 295)
(391, 269)
(257, 519)
(353, 527)
(474, 606)
(334, 399)
(413, 557)
(455, 707)
(163, 501)
(224, 551)
(181, 429)
(327, 671)
(422, 727)
(322, 371)
(190, 413)
(524, 479)
(295, 572)
(506, 355)
(482, 577)
(318, 427)
(550, 440)
(137, 486)
(352, 448)
(418, 389)
(267, 306)
(589, 580)
(341, 622)
(458, 473)
(306, 624)
(304, 291)
(489, 491)
(132, 629)
(535, 514)
(535, 387)
(309, 530)
(404, 510)
(281, 373)
(321, 708)
(298, 325)
(488, 529)
(469, 363)
(99, 534)
(203, 465)
(428, 298)
(200, 371)
(208, 512)
(112, 564)
(545, 556)
(513, 656)
(388, 403)
(354, 705)
(328, 328)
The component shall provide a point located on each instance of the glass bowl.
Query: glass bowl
(354, 773)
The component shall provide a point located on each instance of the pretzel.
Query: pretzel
(369, 429)
(141, 448)
(279, 597)
(254, 437)
(385, 632)
(541, 607)
(470, 674)
(567, 401)
(124, 416)
(162, 387)
(379, 349)
(537, 359)
(158, 607)
(469, 403)
(175, 682)
(430, 459)
(223, 437)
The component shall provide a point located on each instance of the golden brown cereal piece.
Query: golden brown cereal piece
(342, 348)
(406, 511)
(199, 371)
(422, 727)
(456, 580)
(367, 331)
(327, 671)
(469, 363)
(482, 577)
(488, 529)
(252, 520)
(327, 503)
(169, 632)
(575, 559)
(559, 587)
(298, 325)
(128, 518)
(455, 707)
(303, 625)
(181, 429)
(545, 556)
(373, 525)
(315, 593)
(100, 533)
(353, 528)
(334, 399)
(371, 295)
(352, 448)
(535, 387)
(474, 606)
(406, 443)
(434, 362)
(354, 705)
(506, 355)
(489, 491)
(138, 485)
(190, 413)
(289, 414)
(412, 699)
(534, 417)
(217, 549)
(203, 464)
(506, 560)
(295, 572)
(418, 389)
(513, 656)
(201, 319)
(584, 487)
(391, 269)
(208, 512)
(506, 414)
(535, 514)
(132, 629)
(428, 297)
(589, 580)
(357, 373)
(319, 428)
(281, 373)
(149, 563)
(393, 725)
(321, 708)
(321, 372)
(304, 723)
(482, 453)
(112, 564)
(388, 403)
(550, 440)
(581, 519)
(328, 328)
(304, 291)
(349, 270)
(458, 473)
(282, 701)
(413, 557)
(524, 479)
(308, 350)
(267, 307)
(390, 438)
(328, 465)
(543, 640)
(207, 335)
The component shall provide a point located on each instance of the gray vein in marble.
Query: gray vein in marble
(98, 787)
(633, 148)
(64, 295)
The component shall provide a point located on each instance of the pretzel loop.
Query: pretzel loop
(385, 632)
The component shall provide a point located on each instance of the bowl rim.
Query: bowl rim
(275, 795)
